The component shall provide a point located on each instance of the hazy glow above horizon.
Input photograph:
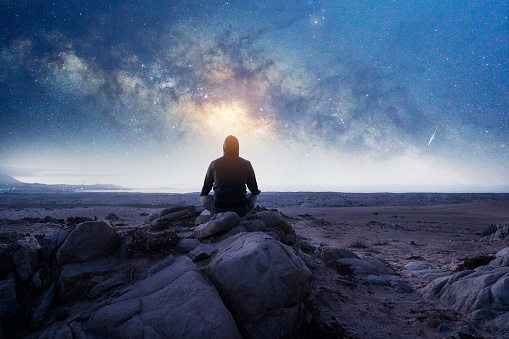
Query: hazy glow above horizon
(322, 96)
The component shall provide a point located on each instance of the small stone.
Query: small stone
(202, 251)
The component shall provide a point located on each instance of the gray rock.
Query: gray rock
(9, 237)
(168, 218)
(152, 216)
(365, 266)
(106, 285)
(187, 245)
(401, 286)
(380, 266)
(499, 325)
(221, 222)
(26, 257)
(254, 225)
(309, 260)
(501, 233)
(74, 278)
(333, 253)
(202, 251)
(202, 218)
(263, 282)
(289, 239)
(40, 311)
(112, 217)
(6, 264)
(7, 298)
(377, 280)
(161, 264)
(77, 330)
(468, 330)
(57, 330)
(88, 241)
(502, 253)
(274, 220)
(482, 293)
(177, 302)
(53, 241)
(310, 245)
(126, 244)
(502, 258)
(444, 328)
(417, 266)
(232, 231)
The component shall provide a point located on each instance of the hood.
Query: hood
(231, 146)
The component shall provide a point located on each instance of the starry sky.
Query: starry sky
(357, 96)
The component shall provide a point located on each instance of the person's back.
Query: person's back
(228, 176)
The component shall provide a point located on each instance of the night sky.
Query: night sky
(322, 95)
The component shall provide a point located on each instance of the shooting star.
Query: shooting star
(433, 136)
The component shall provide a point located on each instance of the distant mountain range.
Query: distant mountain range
(7, 180)
(8, 183)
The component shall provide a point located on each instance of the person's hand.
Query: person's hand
(258, 192)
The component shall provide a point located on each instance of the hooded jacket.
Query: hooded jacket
(228, 176)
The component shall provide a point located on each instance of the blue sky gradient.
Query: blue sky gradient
(323, 95)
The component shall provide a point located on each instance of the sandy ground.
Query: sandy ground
(396, 229)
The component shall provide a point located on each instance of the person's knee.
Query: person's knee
(207, 201)
(251, 201)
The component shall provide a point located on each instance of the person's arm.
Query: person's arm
(252, 185)
(209, 180)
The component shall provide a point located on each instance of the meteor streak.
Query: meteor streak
(432, 136)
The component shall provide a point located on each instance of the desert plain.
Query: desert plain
(440, 229)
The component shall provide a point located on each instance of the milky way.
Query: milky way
(322, 95)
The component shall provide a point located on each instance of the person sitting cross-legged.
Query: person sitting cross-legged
(228, 176)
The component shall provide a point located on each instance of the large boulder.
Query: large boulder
(220, 222)
(501, 258)
(263, 283)
(333, 253)
(9, 237)
(176, 302)
(365, 265)
(6, 264)
(482, 293)
(501, 233)
(53, 241)
(26, 257)
(7, 303)
(88, 241)
(74, 279)
(166, 217)
(274, 220)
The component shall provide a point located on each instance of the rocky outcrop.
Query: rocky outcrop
(180, 277)
(177, 302)
(365, 265)
(482, 293)
(276, 225)
(87, 241)
(74, 279)
(220, 222)
(263, 282)
(26, 257)
(83, 263)
(501, 232)
(6, 264)
(165, 218)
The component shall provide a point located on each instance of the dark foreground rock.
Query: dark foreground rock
(180, 275)
(176, 302)
(482, 293)
(263, 282)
